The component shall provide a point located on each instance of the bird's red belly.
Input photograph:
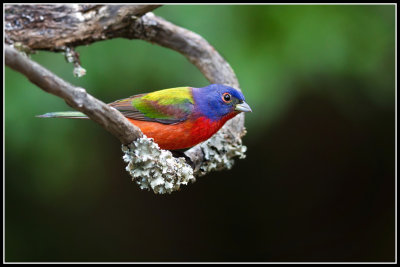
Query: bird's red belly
(181, 135)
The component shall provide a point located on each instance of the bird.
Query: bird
(177, 118)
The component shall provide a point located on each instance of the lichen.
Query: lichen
(73, 57)
(220, 150)
(79, 71)
(156, 169)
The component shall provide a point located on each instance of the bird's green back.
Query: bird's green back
(166, 106)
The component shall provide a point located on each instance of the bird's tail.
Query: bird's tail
(64, 114)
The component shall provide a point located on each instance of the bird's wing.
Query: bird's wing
(167, 106)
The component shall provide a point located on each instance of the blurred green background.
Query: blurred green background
(318, 180)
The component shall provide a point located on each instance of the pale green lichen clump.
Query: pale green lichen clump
(219, 152)
(156, 169)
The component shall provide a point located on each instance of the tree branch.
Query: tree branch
(44, 27)
(111, 119)
(194, 47)
(54, 27)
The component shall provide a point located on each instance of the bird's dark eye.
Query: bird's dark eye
(226, 97)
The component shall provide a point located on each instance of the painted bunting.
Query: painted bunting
(177, 118)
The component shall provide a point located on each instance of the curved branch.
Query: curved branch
(56, 27)
(194, 47)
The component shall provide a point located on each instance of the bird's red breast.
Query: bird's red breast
(181, 135)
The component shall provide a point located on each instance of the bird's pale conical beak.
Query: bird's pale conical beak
(243, 107)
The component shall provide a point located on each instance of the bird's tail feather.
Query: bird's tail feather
(64, 114)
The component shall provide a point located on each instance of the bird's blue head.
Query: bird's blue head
(217, 100)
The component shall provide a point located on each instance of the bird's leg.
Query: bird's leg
(181, 153)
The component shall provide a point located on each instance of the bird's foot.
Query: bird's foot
(179, 154)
